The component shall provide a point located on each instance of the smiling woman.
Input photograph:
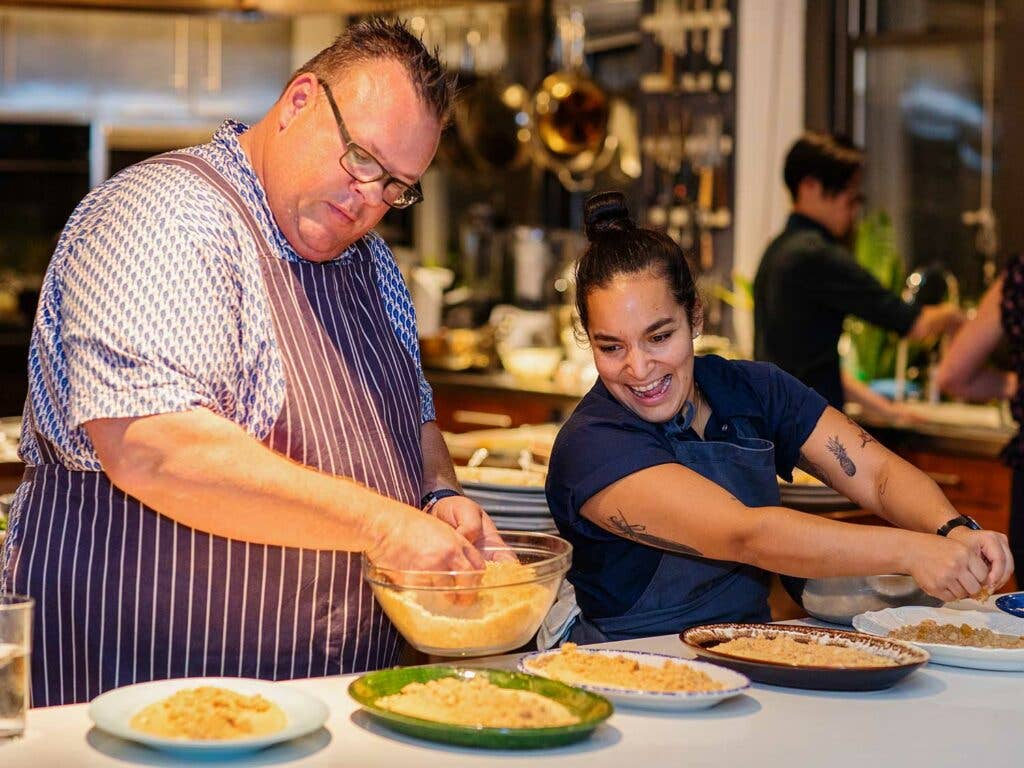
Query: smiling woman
(664, 478)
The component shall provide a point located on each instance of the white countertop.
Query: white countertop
(939, 716)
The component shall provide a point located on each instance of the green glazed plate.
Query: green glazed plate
(590, 708)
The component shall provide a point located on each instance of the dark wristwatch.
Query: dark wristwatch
(430, 498)
(957, 521)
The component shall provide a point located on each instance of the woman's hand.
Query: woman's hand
(953, 568)
(994, 548)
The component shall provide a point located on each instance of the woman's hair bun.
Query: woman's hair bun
(605, 212)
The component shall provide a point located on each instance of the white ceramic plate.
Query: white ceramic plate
(111, 712)
(524, 498)
(880, 623)
(734, 682)
(540, 526)
(514, 509)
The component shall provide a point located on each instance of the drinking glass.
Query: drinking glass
(15, 649)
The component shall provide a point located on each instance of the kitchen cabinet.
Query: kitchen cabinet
(85, 62)
(979, 487)
(462, 408)
(141, 66)
(237, 65)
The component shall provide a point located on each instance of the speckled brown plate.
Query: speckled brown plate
(703, 639)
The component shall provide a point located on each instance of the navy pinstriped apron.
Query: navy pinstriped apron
(124, 594)
(686, 591)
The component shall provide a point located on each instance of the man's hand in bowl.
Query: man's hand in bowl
(469, 519)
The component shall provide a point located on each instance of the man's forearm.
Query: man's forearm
(209, 474)
(438, 471)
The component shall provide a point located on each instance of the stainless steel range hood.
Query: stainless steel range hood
(168, 6)
(271, 7)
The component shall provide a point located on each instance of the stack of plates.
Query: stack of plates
(513, 508)
(813, 498)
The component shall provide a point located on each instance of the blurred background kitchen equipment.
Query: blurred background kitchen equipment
(458, 349)
(571, 112)
(931, 284)
(530, 364)
(925, 286)
(481, 261)
(532, 260)
(428, 286)
(838, 600)
(493, 122)
(503, 447)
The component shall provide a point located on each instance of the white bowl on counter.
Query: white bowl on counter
(529, 364)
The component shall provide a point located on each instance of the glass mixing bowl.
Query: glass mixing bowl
(475, 614)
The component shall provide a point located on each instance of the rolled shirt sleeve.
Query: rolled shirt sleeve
(151, 319)
(791, 411)
(596, 448)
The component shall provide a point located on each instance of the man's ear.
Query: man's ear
(809, 188)
(300, 94)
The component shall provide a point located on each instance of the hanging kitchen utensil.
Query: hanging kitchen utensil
(493, 120)
(571, 113)
(623, 124)
(492, 116)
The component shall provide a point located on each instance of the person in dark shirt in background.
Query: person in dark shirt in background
(808, 280)
(965, 372)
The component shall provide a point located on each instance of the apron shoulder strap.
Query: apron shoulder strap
(209, 173)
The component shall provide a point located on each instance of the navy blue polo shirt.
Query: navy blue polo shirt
(603, 442)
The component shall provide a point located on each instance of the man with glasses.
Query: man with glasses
(808, 281)
(226, 404)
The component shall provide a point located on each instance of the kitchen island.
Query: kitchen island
(939, 716)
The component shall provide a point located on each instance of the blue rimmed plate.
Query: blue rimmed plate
(1011, 603)
(734, 683)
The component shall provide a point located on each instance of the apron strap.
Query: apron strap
(209, 173)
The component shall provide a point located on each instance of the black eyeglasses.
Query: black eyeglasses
(364, 167)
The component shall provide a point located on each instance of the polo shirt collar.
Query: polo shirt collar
(723, 387)
(797, 221)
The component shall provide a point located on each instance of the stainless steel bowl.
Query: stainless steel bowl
(839, 599)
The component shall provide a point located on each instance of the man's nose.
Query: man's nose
(371, 191)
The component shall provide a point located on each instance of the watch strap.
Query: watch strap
(957, 521)
(430, 498)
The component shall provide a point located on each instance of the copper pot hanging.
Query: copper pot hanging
(570, 113)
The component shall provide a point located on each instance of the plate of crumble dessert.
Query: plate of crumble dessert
(971, 639)
(798, 656)
(638, 679)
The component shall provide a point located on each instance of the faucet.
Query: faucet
(923, 286)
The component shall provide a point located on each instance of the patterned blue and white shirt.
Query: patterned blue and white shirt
(153, 303)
